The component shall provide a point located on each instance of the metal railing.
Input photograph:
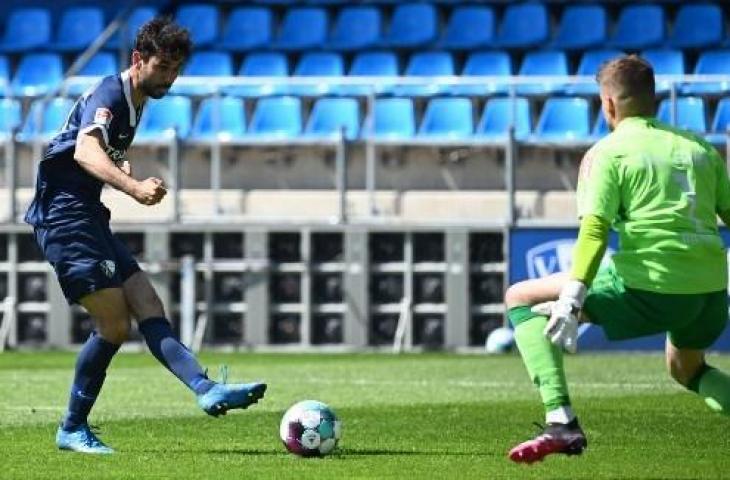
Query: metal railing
(367, 138)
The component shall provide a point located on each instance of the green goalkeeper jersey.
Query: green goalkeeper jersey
(661, 188)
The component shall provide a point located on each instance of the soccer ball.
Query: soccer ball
(500, 340)
(310, 429)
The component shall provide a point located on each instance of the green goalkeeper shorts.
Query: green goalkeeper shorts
(692, 321)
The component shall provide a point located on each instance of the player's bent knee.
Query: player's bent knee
(116, 333)
(516, 295)
(142, 298)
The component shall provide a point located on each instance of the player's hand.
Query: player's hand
(562, 327)
(150, 191)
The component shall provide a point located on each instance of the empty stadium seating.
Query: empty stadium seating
(26, 29)
(247, 28)
(78, 28)
(10, 118)
(720, 123)
(43, 120)
(422, 61)
(165, 118)
(221, 119)
(330, 116)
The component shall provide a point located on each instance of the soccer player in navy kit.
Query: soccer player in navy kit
(94, 268)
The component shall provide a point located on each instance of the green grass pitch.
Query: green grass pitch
(410, 416)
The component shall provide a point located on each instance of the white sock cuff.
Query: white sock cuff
(560, 415)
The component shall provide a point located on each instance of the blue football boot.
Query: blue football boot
(81, 439)
(227, 396)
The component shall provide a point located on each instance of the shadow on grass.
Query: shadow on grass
(390, 452)
(345, 453)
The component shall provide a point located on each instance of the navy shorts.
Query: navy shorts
(86, 256)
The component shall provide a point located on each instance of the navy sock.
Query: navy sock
(91, 365)
(174, 355)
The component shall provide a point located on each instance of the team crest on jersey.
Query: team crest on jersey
(108, 267)
(103, 116)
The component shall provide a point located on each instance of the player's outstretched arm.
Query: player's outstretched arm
(91, 156)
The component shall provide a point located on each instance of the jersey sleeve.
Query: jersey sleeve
(102, 110)
(599, 192)
(722, 192)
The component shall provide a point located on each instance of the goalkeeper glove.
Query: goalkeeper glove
(562, 327)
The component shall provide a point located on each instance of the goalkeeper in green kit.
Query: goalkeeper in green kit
(662, 189)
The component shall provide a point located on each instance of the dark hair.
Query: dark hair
(162, 36)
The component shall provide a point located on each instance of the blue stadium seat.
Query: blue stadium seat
(202, 21)
(665, 61)
(261, 64)
(469, 27)
(412, 25)
(222, 118)
(690, 113)
(426, 64)
(279, 117)
(589, 64)
(163, 117)
(302, 29)
(330, 115)
(204, 64)
(564, 119)
(698, 25)
(138, 17)
(393, 119)
(499, 114)
(639, 26)
(26, 29)
(581, 27)
(100, 65)
(317, 64)
(355, 28)
(370, 64)
(720, 123)
(542, 63)
(712, 62)
(43, 121)
(247, 28)
(37, 74)
(4, 76)
(485, 63)
(78, 28)
(447, 118)
(9, 117)
(524, 25)
(600, 127)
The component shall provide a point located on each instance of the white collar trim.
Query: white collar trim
(127, 87)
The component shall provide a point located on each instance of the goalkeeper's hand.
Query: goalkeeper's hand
(562, 327)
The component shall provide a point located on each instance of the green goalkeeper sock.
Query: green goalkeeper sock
(714, 386)
(544, 361)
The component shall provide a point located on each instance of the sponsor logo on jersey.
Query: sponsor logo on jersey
(114, 154)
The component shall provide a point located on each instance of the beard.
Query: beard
(154, 90)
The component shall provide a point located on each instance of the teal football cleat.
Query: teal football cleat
(228, 396)
(81, 439)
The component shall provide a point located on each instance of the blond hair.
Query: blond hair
(629, 80)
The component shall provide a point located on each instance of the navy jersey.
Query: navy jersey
(64, 190)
